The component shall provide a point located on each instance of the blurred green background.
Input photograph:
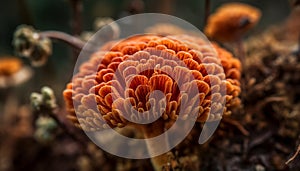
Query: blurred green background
(56, 15)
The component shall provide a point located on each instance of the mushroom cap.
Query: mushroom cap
(12, 72)
(95, 95)
(9, 66)
(231, 21)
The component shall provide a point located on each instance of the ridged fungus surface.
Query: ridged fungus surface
(96, 90)
(231, 21)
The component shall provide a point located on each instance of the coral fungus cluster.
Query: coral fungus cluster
(114, 87)
(90, 94)
(149, 74)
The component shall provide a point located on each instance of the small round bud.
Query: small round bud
(36, 100)
(44, 99)
(48, 96)
(46, 123)
(30, 44)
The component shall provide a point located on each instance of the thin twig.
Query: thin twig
(206, 11)
(64, 125)
(262, 85)
(166, 6)
(71, 40)
(298, 50)
(294, 156)
(260, 139)
(24, 12)
(77, 22)
(61, 122)
(270, 100)
(239, 126)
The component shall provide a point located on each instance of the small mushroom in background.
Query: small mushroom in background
(13, 72)
(231, 21)
(229, 24)
(89, 97)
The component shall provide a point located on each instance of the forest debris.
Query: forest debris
(238, 125)
(294, 156)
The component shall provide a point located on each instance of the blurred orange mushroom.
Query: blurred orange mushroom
(12, 72)
(231, 21)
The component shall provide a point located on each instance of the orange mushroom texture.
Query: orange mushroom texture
(13, 72)
(90, 93)
(10, 66)
(231, 21)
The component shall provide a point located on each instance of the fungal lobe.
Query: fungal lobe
(114, 87)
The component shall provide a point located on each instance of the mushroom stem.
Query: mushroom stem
(9, 108)
(71, 40)
(240, 53)
(153, 130)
